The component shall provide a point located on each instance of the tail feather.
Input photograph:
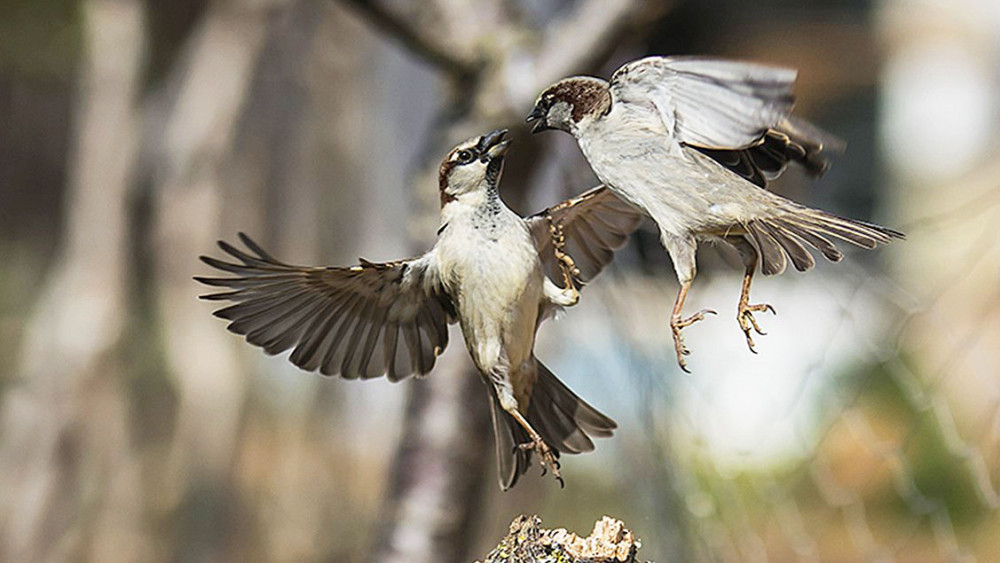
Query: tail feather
(591, 420)
(564, 420)
(785, 233)
(817, 241)
(772, 258)
(801, 258)
(834, 226)
(512, 461)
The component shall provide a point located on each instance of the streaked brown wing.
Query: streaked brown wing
(595, 224)
(364, 321)
(792, 140)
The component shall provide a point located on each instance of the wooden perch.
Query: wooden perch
(527, 542)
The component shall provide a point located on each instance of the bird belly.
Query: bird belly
(497, 282)
(679, 191)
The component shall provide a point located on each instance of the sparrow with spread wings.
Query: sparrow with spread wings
(489, 271)
(691, 141)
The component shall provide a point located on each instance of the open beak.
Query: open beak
(493, 145)
(498, 150)
(538, 116)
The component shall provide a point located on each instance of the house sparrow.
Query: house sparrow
(487, 271)
(691, 141)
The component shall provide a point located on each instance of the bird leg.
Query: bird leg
(745, 311)
(545, 453)
(677, 323)
(566, 264)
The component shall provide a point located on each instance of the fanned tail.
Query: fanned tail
(564, 420)
(790, 233)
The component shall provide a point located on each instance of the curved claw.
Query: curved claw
(747, 321)
(547, 459)
(676, 324)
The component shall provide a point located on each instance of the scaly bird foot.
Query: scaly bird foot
(567, 266)
(547, 458)
(745, 317)
(676, 324)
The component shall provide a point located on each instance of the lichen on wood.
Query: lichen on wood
(527, 542)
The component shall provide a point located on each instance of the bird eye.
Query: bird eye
(465, 156)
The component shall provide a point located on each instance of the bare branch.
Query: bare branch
(425, 43)
(576, 43)
(580, 39)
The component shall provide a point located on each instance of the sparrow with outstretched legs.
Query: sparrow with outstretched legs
(489, 271)
(691, 141)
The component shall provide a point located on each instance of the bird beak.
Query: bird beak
(537, 115)
(498, 150)
(492, 145)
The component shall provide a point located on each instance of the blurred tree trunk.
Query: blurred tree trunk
(210, 86)
(430, 511)
(70, 480)
(301, 153)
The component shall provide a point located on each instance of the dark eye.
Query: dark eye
(465, 156)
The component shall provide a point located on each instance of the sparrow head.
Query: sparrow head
(473, 165)
(571, 103)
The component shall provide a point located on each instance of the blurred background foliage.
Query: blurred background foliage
(134, 427)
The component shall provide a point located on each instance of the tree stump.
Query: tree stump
(527, 542)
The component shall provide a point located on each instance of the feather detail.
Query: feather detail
(342, 321)
(564, 420)
(784, 234)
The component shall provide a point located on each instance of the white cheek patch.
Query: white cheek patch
(465, 177)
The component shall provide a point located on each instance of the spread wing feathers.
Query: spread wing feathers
(363, 321)
(709, 103)
(564, 420)
(792, 140)
(790, 234)
(595, 224)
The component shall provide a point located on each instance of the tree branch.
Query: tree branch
(577, 42)
(425, 43)
(583, 38)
